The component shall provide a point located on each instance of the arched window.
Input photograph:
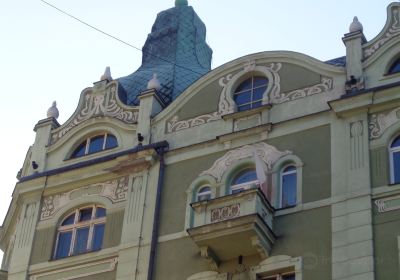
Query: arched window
(288, 186)
(244, 180)
(95, 144)
(394, 151)
(249, 94)
(204, 193)
(395, 67)
(81, 232)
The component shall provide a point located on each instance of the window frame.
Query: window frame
(393, 150)
(395, 63)
(199, 193)
(73, 228)
(281, 174)
(87, 142)
(252, 88)
(242, 186)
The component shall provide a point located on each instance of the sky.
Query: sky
(47, 56)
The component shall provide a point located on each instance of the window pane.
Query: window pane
(258, 93)
(98, 237)
(396, 142)
(244, 107)
(260, 81)
(85, 214)
(244, 176)
(111, 142)
(69, 220)
(238, 190)
(396, 167)
(256, 104)
(82, 235)
(289, 190)
(289, 168)
(395, 68)
(244, 86)
(80, 151)
(100, 212)
(288, 277)
(242, 98)
(63, 245)
(96, 144)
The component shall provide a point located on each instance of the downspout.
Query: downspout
(156, 223)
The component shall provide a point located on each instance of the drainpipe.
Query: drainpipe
(156, 222)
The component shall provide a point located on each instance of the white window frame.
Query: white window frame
(281, 182)
(243, 186)
(252, 88)
(77, 225)
(391, 152)
(209, 192)
(88, 140)
(278, 276)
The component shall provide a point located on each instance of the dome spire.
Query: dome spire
(181, 3)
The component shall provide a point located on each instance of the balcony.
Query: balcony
(235, 225)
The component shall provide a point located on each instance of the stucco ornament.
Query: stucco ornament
(116, 190)
(52, 112)
(175, 125)
(379, 123)
(356, 25)
(96, 102)
(267, 153)
(391, 32)
(107, 74)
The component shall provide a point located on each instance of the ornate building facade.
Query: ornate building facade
(273, 166)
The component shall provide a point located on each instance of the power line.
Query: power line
(116, 38)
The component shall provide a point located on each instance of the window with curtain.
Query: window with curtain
(204, 193)
(243, 180)
(80, 232)
(288, 186)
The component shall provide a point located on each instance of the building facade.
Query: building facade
(273, 166)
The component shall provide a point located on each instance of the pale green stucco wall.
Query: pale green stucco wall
(380, 167)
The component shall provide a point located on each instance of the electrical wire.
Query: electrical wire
(116, 38)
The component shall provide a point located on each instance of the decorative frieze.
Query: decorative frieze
(388, 204)
(393, 31)
(176, 125)
(116, 190)
(267, 153)
(379, 123)
(98, 103)
(225, 213)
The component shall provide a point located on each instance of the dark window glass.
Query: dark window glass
(100, 212)
(204, 194)
(85, 214)
(396, 167)
(64, 244)
(289, 187)
(288, 277)
(395, 68)
(111, 142)
(81, 242)
(98, 237)
(245, 176)
(249, 93)
(396, 143)
(69, 220)
(80, 151)
(96, 144)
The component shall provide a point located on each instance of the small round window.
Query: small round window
(249, 94)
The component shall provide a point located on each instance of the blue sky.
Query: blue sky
(47, 56)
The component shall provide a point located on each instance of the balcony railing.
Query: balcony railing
(219, 225)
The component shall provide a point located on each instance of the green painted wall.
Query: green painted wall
(113, 229)
(101, 276)
(3, 275)
(43, 245)
(313, 147)
(386, 227)
(296, 77)
(178, 178)
(379, 167)
(184, 250)
(307, 234)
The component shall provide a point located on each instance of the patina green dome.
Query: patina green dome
(181, 3)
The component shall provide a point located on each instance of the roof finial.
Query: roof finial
(154, 83)
(106, 75)
(52, 112)
(356, 26)
(181, 3)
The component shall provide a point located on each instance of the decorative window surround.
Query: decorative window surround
(278, 263)
(388, 204)
(115, 190)
(272, 95)
(101, 100)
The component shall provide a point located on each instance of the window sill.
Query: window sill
(246, 113)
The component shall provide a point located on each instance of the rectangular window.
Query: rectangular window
(82, 236)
